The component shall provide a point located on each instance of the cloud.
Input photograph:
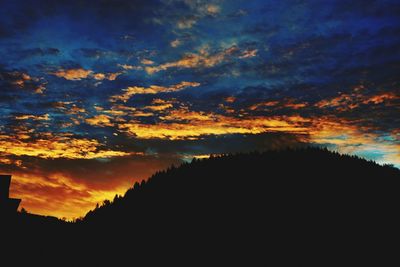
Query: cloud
(185, 124)
(203, 59)
(249, 53)
(73, 74)
(44, 117)
(288, 103)
(50, 146)
(213, 9)
(70, 188)
(265, 76)
(186, 23)
(348, 137)
(230, 99)
(130, 67)
(257, 106)
(153, 89)
(147, 61)
(100, 120)
(22, 80)
(356, 98)
(79, 74)
(108, 76)
(175, 43)
(159, 105)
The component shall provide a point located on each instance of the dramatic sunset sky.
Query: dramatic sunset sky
(95, 95)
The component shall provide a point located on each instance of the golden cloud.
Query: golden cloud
(353, 100)
(264, 104)
(380, 98)
(159, 107)
(50, 146)
(44, 117)
(100, 120)
(185, 124)
(25, 81)
(59, 195)
(21, 79)
(350, 138)
(73, 74)
(107, 76)
(79, 74)
(153, 89)
(72, 188)
(147, 61)
(202, 59)
(160, 104)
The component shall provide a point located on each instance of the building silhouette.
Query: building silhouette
(8, 206)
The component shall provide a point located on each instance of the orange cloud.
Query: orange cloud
(50, 146)
(75, 110)
(10, 162)
(159, 107)
(44, 117)
(62, 194)
(249, 53)
(202, 59)
(264, 104)
(100, 120)
(25, 81)
(186, 124)
(354, 99)
(79, 74)
(153, 89)
(68, 107)
(350, 138)
(73, 74)
(59, 195)
(70, 188)
(21, 78)
(286, 103)
(230, 99)
(380, 98)
(293, 105)
(107, 76)
(147, 61)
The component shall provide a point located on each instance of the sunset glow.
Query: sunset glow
(90, 106)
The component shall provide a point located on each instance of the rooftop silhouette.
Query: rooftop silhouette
(8, 206)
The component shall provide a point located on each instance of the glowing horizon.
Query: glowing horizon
(89, 106)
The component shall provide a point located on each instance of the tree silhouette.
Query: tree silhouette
(242, 206)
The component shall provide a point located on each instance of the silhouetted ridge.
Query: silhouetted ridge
(281, 207)
(238, 188)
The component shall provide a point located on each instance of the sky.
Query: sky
(95, 95)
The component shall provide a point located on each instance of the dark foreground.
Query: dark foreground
(293, 207)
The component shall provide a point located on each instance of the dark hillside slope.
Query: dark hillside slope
(310, 192)
(283, 207)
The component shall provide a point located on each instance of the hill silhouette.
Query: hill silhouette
(250, 205)
(232, 187)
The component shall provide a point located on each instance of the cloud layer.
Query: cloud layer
(97, 95)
